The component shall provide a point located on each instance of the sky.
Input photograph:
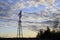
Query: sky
(34, 12)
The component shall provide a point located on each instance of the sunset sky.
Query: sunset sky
(34, 13)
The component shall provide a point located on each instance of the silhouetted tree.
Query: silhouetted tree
(39, 33)
(48, 35)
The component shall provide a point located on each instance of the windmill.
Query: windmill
(19, 31)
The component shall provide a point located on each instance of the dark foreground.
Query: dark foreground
(25, 39)
(19, 39)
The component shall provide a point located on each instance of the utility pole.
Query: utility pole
(20, 32)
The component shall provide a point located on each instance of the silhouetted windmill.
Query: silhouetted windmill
(20, 32)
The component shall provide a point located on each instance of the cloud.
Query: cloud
(3, 4)
(36, 3)
(4, 8)
(32, 22)
(23, 4)
(32, 3)
(33, 18)
(18, 5)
